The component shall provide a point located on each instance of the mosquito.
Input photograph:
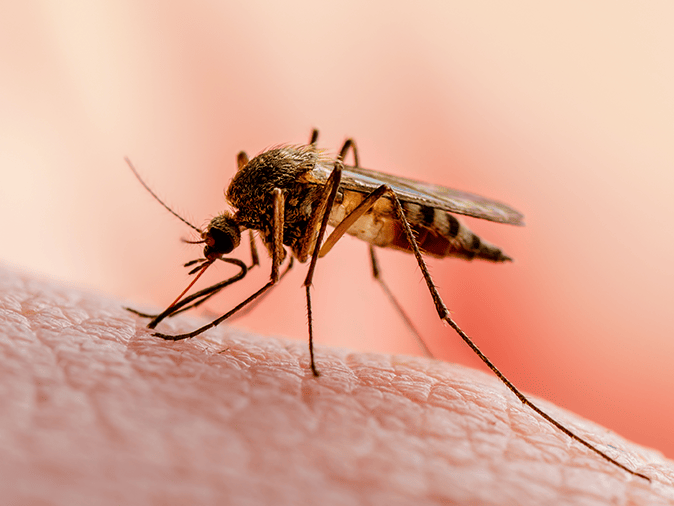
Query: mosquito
(290, 194)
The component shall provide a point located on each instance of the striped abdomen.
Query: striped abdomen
(438, 233)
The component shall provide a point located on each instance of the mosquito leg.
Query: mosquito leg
(173, 310)
(241, 159)
(319, 220)
(206, 293)
(198, 298)
(357, 213)
(256, 261)
(376, 273)
(314, 137)
(217, 321)
(362, 208)
(253, 250)
(350, 144)
(278, 252)
(278, 255)
(344, 225)
(444, 314)
(250, 307)
(341, 229)
(139, 313)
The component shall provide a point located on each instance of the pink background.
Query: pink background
(564, 112)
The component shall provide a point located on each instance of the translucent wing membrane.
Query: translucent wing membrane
(426, 194)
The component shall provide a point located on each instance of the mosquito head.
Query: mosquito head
(221, 236)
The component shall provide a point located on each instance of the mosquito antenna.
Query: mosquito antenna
(135, 173)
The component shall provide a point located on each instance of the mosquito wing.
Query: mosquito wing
(425, 194)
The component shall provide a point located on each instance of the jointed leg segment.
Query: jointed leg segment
(320, 218)
(278, 254)
(444, 314)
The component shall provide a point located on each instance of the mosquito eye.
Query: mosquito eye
(221, 243)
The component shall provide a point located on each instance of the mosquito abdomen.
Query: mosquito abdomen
(439, 233)
(442, 234)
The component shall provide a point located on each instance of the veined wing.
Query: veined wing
(425, 194)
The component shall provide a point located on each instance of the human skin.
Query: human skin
(97, 410)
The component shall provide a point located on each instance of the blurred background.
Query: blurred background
(564, 110)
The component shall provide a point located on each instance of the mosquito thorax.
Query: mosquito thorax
(221, 236)
(252, 186)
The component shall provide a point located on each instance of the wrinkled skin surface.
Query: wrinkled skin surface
(96, 410)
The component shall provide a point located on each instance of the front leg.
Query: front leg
(278, 254)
